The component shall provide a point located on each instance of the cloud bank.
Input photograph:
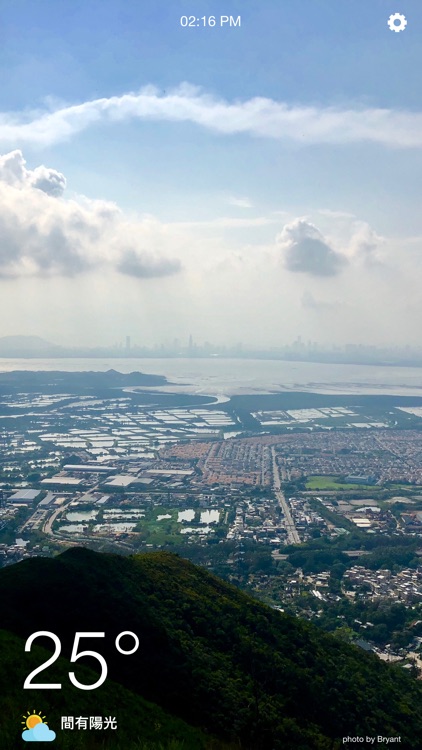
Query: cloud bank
(43, 234)
(79, 266)
(258, 116)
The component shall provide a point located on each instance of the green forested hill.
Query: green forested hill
(209, 654)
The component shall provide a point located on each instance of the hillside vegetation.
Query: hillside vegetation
(141, 725)
(209, 654)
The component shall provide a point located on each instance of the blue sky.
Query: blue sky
(309, 49)
(295, 166)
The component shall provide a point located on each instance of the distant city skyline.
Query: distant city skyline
(312, 351)
(242, 183)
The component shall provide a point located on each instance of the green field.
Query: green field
(167, 530)
(332, 483)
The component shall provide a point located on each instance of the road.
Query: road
(76, 540)
(47, 528)
(292, 535)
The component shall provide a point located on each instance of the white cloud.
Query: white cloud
(13, 171)
(240, 202)
(43, 234)
(258, 116)
(365, 243)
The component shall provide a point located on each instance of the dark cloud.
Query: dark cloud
(144, 266)
(306, 251)
(38, 249)
(58, 253)
(314, 257)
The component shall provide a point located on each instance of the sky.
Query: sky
(252, 182)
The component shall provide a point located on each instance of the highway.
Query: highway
(292, 535)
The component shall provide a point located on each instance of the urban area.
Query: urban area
(315, 510)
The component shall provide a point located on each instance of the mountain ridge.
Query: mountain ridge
(29, 343)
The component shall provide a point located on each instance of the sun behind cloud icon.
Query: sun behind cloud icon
(38, 730)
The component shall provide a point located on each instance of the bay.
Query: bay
(223, 377)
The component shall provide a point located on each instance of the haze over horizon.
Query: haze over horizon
(165, 181)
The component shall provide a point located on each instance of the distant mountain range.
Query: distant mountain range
(214, 668)
(32, 345)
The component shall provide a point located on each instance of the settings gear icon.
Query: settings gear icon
(397, 22)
